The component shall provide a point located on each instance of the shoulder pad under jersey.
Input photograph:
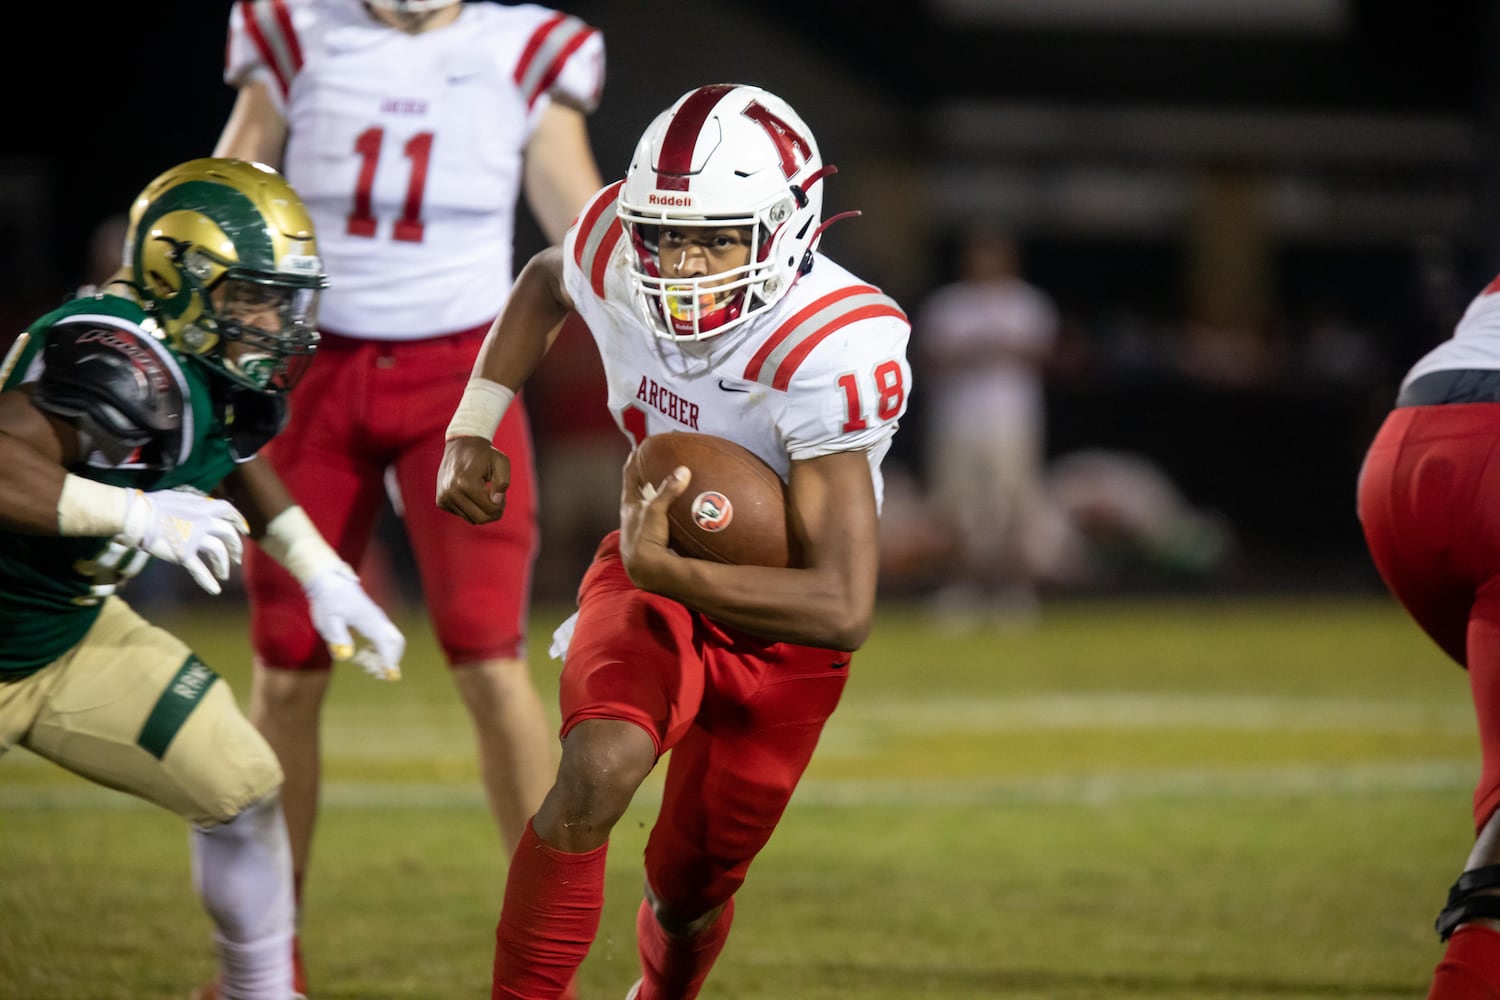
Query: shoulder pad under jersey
(116, 387)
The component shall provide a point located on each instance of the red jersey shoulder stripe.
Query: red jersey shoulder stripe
(268, 25)
(546, 53)
(791, 343)
(599, 230)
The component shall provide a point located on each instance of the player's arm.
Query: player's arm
(335, 597)
(829, 602)
(100, 394)
(255, 129)
(474, 476)
(34, 451)
(561, 174)
(256, 489)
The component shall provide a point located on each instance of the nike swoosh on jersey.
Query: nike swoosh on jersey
(732, 388)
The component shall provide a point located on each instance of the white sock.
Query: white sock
(243, 873)
(261, 970)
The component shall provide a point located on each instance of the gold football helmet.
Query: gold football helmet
(223, 255)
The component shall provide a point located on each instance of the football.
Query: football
(734, 509)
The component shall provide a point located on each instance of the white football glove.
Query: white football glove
(339, 603)
(203, 535)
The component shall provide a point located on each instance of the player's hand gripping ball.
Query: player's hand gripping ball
(734, 509)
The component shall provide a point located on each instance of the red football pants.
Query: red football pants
(366, 406)
(1429, 504)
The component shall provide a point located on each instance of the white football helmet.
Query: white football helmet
(726, 155)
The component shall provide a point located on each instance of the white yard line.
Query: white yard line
(1200, 783)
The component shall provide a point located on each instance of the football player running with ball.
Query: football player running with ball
(119, 412)
(713, 311)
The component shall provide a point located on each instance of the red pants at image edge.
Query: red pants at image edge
(1427, 506)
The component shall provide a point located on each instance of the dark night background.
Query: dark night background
(1167, 170)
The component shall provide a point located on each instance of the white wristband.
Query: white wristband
(292, 540)
(480, 409)
(87, 508)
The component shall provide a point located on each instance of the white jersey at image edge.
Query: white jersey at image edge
(1475, 343)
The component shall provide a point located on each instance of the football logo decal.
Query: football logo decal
(712, 511)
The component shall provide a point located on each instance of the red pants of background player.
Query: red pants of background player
(363, 407)
(1429, 503)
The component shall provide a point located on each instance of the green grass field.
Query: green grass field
(1253, 799)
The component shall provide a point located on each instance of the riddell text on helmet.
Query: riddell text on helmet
(671, 200)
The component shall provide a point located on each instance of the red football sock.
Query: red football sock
(1470, 969)
(674, 968)
(553, 900)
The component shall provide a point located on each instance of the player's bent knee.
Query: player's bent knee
(219, 765)
(603, 763)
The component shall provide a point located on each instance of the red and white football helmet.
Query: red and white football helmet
(723, 155)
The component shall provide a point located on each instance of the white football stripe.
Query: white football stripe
(1203, 783)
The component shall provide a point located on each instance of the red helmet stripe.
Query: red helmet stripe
(676, 160)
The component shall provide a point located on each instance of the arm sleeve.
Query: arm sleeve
(563, 59)
(265, 44)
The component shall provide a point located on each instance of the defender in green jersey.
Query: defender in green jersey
(122, 414)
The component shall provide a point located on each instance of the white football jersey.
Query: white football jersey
(1475, 342)
(408, 149)
(824, 370)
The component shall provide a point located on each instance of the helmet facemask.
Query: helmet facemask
(695, 306)
(267, 330)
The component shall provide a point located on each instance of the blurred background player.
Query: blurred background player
(1428, 499)
(120, 410)
(699, 277)
(410, 127)
(982, 344)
